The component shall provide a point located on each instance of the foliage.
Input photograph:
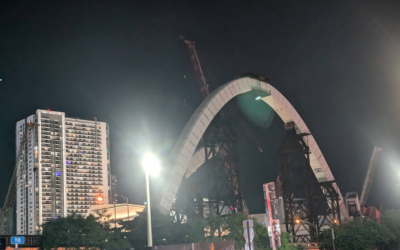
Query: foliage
(356, 235)
(75, 231)
(261, 237)
(285, 243)
(391, 219)
(165, 231)
(215, 227)
(212, 228)
(234, 228)
(114, 236)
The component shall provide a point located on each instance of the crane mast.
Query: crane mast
(370, 175)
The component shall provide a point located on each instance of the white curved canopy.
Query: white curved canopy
(186, 161)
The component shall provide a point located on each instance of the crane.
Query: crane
(370, 176)
(204, 86)
(9, 202)
(197, 68)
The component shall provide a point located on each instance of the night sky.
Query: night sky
(337, 62)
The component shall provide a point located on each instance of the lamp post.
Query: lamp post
(151, 166)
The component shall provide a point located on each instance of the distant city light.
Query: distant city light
(58, 173)
(258, 98)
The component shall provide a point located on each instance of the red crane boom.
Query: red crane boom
(197, 68)
(204, 87)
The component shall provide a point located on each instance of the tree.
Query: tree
(391, 219)
(261, 236)
(165, 231)
(234, 229)
(356, 235)
(74, 232)
(285, 243)
(212, 228)
(215, 227)
(114, 236)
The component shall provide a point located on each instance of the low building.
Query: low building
(120, 211)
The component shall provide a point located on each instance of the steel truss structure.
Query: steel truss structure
(313, 205)
(223, 179)
(224, 189)
(188, 205)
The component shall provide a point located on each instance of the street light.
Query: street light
(151, 166)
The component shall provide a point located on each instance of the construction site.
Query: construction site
(304, 200)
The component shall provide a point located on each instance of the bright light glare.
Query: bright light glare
(151, 164)
(99, 198)
(258, 98)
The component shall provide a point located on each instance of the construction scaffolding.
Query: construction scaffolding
(309, 205)
(224, 189)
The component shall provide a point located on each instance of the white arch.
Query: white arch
(186, 161)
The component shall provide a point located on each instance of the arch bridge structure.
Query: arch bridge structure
(186, 159)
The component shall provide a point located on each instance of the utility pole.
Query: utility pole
(115, 216)
(127, 204)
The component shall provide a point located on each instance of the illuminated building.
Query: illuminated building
(66, 167)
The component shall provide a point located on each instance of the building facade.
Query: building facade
(64, 168)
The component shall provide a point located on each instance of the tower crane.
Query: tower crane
(370, 175)
(20, 160)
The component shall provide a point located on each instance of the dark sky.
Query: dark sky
(337, 62)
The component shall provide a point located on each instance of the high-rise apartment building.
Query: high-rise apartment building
(64, 170)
